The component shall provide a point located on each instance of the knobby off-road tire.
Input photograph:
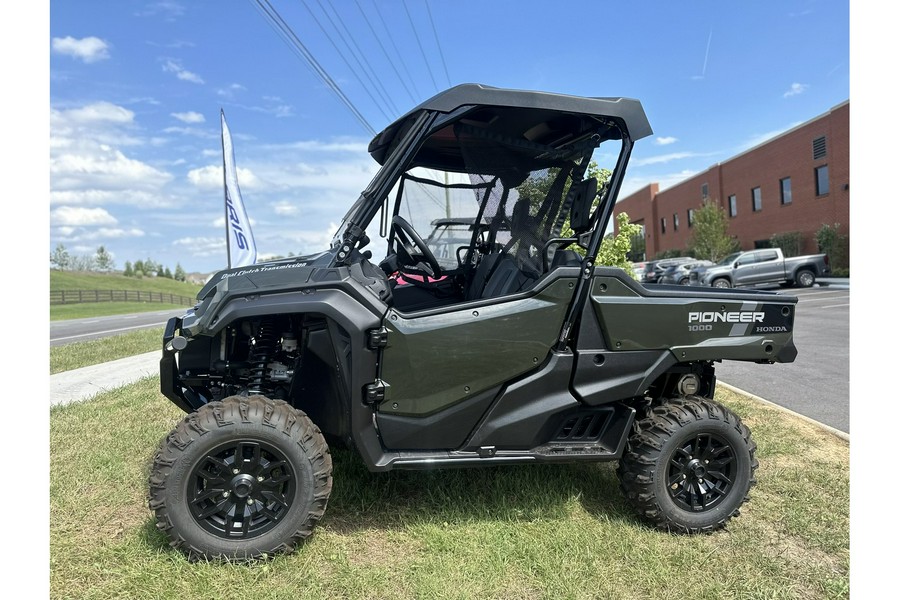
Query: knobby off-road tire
(688, 466)
(239, 479)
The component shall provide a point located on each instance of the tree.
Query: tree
(138, 266)
(179, 273)
(167, 273)
(151, 268)
(614, 248)
(60, 259)
(710, 240)
(129, 270)
(103, 260)
(83, 262)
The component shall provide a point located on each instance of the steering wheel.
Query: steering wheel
(412, 249)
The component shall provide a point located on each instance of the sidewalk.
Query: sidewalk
(80, 384)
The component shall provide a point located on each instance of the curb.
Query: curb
(827, 428)
(82, 384)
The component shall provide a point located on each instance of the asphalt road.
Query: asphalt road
(80, 330)
(817, 383)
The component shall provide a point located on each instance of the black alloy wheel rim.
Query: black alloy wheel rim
(701, 472)
(241, 489)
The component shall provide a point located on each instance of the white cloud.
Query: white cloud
(89, 49)
(665, 180)
(203, 246)
(98, 112)
(285, 208)
(172, 66)
(102, 167)
(166, 8)
(663, 158)
(80, 216)
(665, 140)
(69, 234)
(796, 89)
(190, 117)
(211, 177)
(231, 90)
(87, 165)
(201, 133)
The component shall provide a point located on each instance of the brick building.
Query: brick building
(795, 182)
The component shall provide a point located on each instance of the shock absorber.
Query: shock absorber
(263, 347)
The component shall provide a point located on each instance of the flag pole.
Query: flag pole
(225, 189)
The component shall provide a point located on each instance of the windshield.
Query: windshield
(728, 259)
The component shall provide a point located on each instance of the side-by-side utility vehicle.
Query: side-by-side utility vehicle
(521, 350)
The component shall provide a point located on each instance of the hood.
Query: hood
(265, 274)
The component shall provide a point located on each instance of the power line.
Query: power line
(384, 51)
(438, 40)
(287, 34)
(365, 65)
(365, 87)
(394, 46)
(421, 48)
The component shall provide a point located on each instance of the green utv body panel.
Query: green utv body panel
(705, 325)
(434, 361)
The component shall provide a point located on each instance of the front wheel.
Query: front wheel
(806, 278)
(240, 479)
(689, 466)
(721, 283)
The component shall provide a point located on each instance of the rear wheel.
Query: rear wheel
(805, 278)
(689, 466)
(721, 283)
(240, 478)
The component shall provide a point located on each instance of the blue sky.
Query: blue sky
(136, 87)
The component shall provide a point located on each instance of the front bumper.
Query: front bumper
(168, 369)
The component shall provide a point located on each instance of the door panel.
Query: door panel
(435, 360)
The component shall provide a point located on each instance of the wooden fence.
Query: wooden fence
(80, 296)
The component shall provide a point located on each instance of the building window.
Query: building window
(704, 191)
(690, 217)
(819, 148)
(786, 190)
(675, 221)
(822, 180)
(756, 193)
(732, 205)
(662, 225)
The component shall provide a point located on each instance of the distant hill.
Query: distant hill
(81, 280)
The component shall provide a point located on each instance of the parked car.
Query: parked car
(638, 269)
(764, 266)
(680, 274)
(656, 268)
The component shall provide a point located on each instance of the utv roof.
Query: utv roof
(626, 113)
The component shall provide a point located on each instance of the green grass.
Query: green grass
(72, 280)
(61, 312)
(94, 352)
(537, 531)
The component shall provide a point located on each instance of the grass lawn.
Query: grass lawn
(60, 312)
(77, 280)
(94, 352)
(541, 531)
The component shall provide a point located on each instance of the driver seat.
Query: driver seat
(499, 274)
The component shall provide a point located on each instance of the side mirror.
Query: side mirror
(736, 264)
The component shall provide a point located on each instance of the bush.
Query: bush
(789, 242)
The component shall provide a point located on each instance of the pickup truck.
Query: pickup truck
(763, 266)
